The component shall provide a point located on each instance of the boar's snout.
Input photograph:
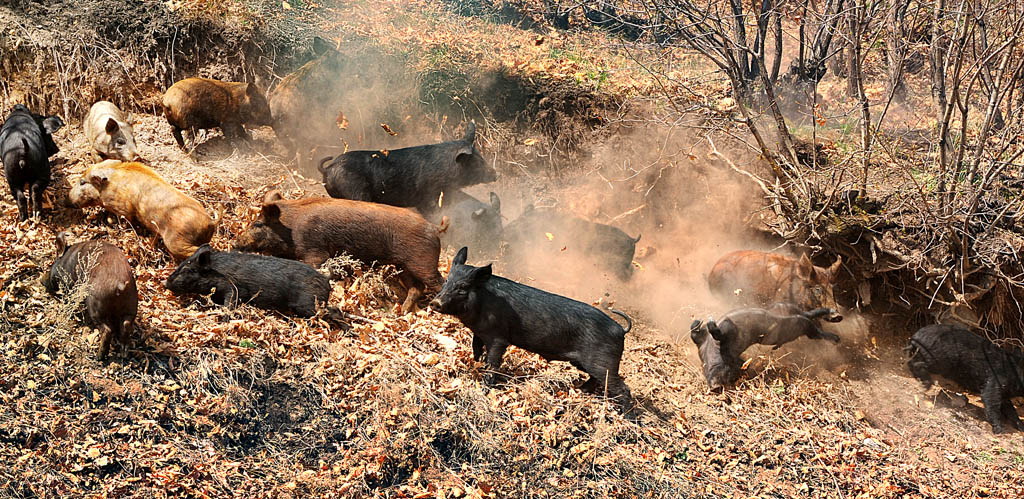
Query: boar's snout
(435, 304)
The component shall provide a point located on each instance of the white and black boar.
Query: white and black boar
(473, 223)
(109, 132)
(112, 299)
(501, 312)
(26, 145)
(974, 363)
(548, 237)
(412, 176)
(263, 281)
(201, 103)
(720, 344)
(315, 229)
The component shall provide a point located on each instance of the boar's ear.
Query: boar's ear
(270, 213)
(478, 213)
(470, 132)
(252, 90)
(52, 123)
(804, 268)
(460, 257)
(715, 332)
(695, 332)
(202, 255)
(321, 45)
(272, 196)
(480, 275)
(62, 243)
(495, 202)
(834, 269)
(112, 125)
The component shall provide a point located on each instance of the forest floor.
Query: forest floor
(213, 402)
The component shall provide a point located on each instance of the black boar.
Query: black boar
(974, 363)
(109, 132)
(202, 103)
(552, 235)
(112, 299)
(757, 278)
(501, 312)
(263, 281)
(412, 176)
(720, 344)
(26, 145)
(473, 223)
(315, 229)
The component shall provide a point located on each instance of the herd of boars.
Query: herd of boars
(384, 207)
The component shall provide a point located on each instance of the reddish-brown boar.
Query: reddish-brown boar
(112, 299)
(136, 192)
(758, 278)
(315, 229)
(202, 103)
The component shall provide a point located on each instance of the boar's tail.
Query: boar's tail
(324, 162)
(629, 322)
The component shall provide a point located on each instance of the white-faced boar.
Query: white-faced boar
(111, 297)
(720, 344)
(201, 103)
(26, 145)
(473, 223)
(758, 278)
(262, 281)
(411, 176)
(543, 236)
(109, 132)
(501, 312)
(315, 229)
(974, 363)
(136, 192)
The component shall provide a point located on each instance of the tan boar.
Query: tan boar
(202, 103)
(109, 132)
(136, 192)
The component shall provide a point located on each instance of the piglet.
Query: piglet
(112, 300)
(501, 312)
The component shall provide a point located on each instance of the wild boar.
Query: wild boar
(550, 235)
(111, 297)
(26, 145)
(473, 223)
(136, 192)
(757, 278)
(412, 176)
(263, 281)
(501, 312)
(109, 132)
(315, 229)
(202, 103)
(974, 363)
(305, 105)
(720, 344)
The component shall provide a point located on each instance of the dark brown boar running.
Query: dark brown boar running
(315, 229)
(112, 300)
(202, 103)
(758, 278)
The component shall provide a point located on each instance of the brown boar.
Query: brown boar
(109, 132)
(758, 278)
(136, 192)
(305, 106)
(112, 299)
(202, 103)
(315, 229)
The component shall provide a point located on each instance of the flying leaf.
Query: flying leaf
(342, 121)
(388, 129)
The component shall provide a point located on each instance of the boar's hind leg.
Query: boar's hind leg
(106, 334)
(992, 397)
(414, 292)
(22, 201)
(37, 199)
(127, 328)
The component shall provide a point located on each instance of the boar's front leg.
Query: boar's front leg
(478, 348)
(992, 397)
(822, 335)
(106, 334)
(1010, 413)
(495, 352)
